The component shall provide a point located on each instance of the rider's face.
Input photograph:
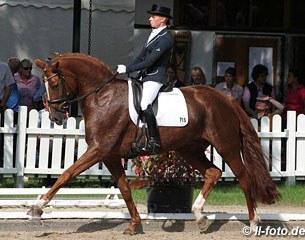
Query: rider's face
(157, 21)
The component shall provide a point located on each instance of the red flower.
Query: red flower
(165, 169)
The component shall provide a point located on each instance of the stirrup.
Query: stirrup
(153, 146)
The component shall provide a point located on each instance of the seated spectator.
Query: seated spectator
(259, 87)
(294, 97)
(14, 98)
(267, 106)
(197, 76)
(229, 87)
(28, 84)
(172, 77)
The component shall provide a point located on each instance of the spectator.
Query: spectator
(38, 98)
(172, 77)
(14, 98)
(6, 80)
(28, 84)
(229, 87)
(259, 87)
(267, 106)
(197, 76)
(294, 98)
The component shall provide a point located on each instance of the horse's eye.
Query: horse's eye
(55, 86)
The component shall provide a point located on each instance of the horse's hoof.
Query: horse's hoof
(129, 232)
(35, 212)
(203, 223)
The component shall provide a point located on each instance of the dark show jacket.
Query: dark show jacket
(153, 58)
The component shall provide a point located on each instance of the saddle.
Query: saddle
(137, 89)
(140, 142)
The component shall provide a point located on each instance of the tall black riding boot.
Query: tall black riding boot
(153, 144)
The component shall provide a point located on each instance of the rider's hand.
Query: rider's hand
(121, 69)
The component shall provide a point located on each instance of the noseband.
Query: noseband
(66, 99)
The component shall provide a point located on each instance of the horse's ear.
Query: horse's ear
(55, 66)
(40, 63)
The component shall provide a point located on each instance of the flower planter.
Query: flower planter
(170, 199)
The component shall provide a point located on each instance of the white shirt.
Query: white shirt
(236, 92)
(154, 33)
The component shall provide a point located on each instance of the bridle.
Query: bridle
(66, 100)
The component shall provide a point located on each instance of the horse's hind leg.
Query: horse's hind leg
(211, 175)
(233, 159)
(117, 171)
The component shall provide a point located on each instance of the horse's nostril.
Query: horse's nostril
(55, 119)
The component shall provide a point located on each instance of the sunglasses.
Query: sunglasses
(27, 68)
(263, 75)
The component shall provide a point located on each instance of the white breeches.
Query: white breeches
(150, 92)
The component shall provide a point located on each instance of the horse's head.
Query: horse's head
(57, 96)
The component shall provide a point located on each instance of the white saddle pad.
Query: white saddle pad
(172, 109)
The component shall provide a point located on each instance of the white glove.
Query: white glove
(121, 69)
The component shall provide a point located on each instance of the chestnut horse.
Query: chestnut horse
(213, 120)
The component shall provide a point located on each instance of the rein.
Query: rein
(97, 89)
(65, 99)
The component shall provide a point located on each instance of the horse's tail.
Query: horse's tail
(263, 188)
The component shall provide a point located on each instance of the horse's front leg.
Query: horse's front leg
(88, 159)
(117, 171)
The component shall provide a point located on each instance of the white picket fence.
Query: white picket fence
(22, 158)
(285, 160)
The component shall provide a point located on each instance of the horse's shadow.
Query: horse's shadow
(103, 225)
(166, 225)
(216, 225)
(175, 226)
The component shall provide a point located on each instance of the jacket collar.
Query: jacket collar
(160, 34)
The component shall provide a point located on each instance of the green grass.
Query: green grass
(225, 195)
(222, 194)
(233, 195)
